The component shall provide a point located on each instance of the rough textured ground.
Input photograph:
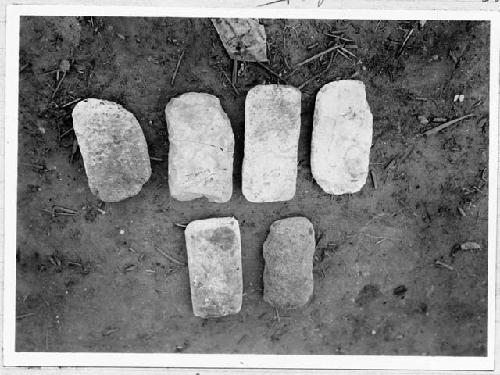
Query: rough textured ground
(94, 281)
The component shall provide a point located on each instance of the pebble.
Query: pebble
(200, 158)
(272, 127)
(342, 137)
(288, 253)
(214, 261)
(113, 148)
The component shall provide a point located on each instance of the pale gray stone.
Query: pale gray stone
(243, 38)
(214, 261)
(288, 254)
(113, 148)
(200, 158)
(272, 128)
(342, 137)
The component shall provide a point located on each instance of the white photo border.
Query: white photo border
(13, 358)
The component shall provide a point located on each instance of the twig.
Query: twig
(234, 77)
(172, 259)
(338, 37)
(349, 52)
(343, 54)
(231, 83)
(408, 35)
(58, 85)
(108, 332)
(65, 133)
(64, 210)
(374, 179)
(307, 81)
(155, 158)
(335, 32)
(318, 55)
(444, 265)
(23, 67)
(437, 129)
(59, 210)
(268, 69)
(71, 102)
(22, 316)
(180, 225)
(176, 68)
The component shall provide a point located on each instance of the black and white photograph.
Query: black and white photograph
(253, 185)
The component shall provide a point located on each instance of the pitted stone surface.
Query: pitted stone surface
(214, 261)
(342, 137)
(113, 148)
(272, 127)
(200, 158)
(288, 253)
(243, 38)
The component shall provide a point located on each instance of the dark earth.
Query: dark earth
(388, 275)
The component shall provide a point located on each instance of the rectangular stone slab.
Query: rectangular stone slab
(272, 128)
(113, 148)
(214, 261)
(342, 137)
(200, 157)
(288, 252)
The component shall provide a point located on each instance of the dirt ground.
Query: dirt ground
(388, 276)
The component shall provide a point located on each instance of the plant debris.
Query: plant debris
(441, 127)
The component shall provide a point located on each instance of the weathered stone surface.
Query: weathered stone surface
(288, 253)
(243, 38)
(272, 127)
(342, 137)
(113, 148)
(200, 158)
(214, 261)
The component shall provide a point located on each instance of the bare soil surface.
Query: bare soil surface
(388, 278)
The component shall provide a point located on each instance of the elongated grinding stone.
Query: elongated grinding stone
(113, 148)
(288, 253)
(272, 127)
(342, 137)
(200, 158)
(214, 261)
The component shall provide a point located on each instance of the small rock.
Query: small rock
(466, 246)
(243, 38)
(214, 261)
(423, 120)
(272, 127)
(200, 158)
(288, 253)
(64, 66)
(342, 137)
(113, 148)
(470, 246)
